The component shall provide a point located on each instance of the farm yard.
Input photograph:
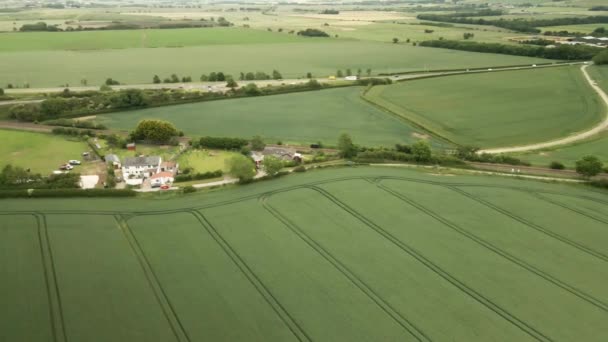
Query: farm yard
(202, 161)
(293, 118)
(270, 259)
(40, 152)
(497, 108)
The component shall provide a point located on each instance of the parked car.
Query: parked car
(164, 187)
(85, 154)
(155, 185)
(66, 167)
(74, 162)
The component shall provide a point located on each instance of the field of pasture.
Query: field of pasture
(293, 118)
(497, 108)
(40, 152)
(270, 262)
(199, 51)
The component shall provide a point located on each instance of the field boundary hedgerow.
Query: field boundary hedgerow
(438, 270)
(592, 300)
(159, 292)
(365, 288)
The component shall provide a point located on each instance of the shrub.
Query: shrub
(198, 176)
(188, 189)
(555, 165)
(300, 168)
(589, 166)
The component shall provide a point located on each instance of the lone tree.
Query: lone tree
(272, 165)
(276, 75)
(257, 144)
(346, 146)
(589, 166)
(232, 84)
(241, 167)
(339, 73)
(421, 150)
(395, 40)
(2, 91)
(156, 131)
(156, 79)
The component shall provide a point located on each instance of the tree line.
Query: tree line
(560, 52)
(519, 25)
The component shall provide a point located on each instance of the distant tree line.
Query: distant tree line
(539, 42)
(330, 11)
(15, 177)
(561, 52)
(599, 8)
(519, 25)
(42, 26)
(312, 33)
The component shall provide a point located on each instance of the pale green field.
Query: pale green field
(346, 254)
(293, 60)
(42, 153)
(497, 108)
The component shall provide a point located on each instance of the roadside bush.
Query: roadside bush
(374, 81)
(600, 183)
(555, 165)
(300, 168)
(312, 33)
(601, 58)
(188, 189)
(39, 193)
(75, 123)
(589, 166)
(198, 176)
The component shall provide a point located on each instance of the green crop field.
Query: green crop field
(357, 254)
(40, 152)
(597, 145)
(155, 38)
(320, 57)
(293, 118)
(497, 108)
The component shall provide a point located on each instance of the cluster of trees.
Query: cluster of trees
(312, 33)
(221, 143)
(330, 11)
(172, 79)
(468, 35)
(40, 26)
(520, 25)
(589, 166)
(75, 123)
(110, 82)
(539, 42)
(15, 177)
(73, 132)
(601, 58)
(561, 52)
(259, 75)
(599, 8)
(470, 153)
(349, 72)
(155, 131)
(419, 152)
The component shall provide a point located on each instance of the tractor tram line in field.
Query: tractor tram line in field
(53, 291)
(437, 269)
(580, 212)
(255, 281)
(365, 288)
(155, 284)
(590, 299)
(181, 332)
(533, 225)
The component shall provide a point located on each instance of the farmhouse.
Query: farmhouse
(112, 159)
(161, 178)
(140, 167)
(283, 153)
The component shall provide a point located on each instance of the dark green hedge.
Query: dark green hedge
(46, 193)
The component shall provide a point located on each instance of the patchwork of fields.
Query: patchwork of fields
(268, 51)
(338, 255)
(293, 118)
(497, 108)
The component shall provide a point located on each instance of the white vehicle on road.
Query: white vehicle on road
(74, 162)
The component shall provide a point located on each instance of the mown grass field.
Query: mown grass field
(292, 118)
(320, 57)
(497, 108)
(374, 254)
(205, 160)
(40, 152)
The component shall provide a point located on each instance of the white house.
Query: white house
(138, 168)
(161, 178)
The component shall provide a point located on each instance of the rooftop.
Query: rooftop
(142, 161)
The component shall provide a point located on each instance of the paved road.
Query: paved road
(567, 140)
